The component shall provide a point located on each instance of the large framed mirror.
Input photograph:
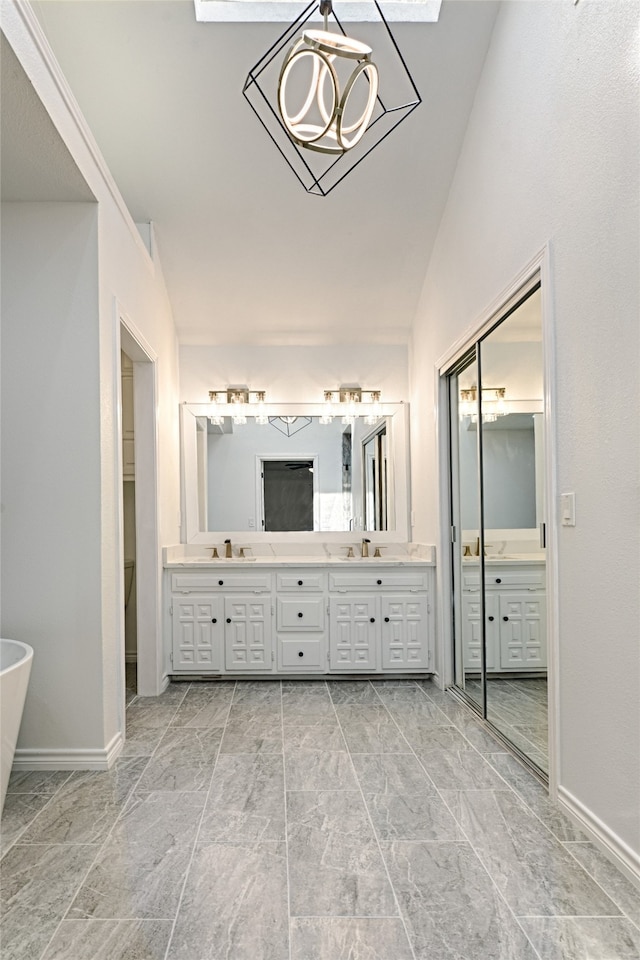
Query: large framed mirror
(294, 474)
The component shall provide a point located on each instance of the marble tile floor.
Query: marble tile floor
(518, 708)
(295, 820)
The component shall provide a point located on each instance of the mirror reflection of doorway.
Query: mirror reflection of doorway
(288, 494)
(374, 465)
(496, 403)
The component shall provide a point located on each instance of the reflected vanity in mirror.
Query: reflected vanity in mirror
(293, 473)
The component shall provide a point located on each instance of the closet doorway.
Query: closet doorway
(143, 481)
(498, 517)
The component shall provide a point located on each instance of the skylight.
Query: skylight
(269, 11)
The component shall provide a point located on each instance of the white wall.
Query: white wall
(65, 268)
(550, 155)
(51, 570)
(293, 374)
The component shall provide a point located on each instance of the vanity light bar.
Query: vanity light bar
(236, 395)
(235, 399)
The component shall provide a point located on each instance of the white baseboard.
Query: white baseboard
(613, 847)
(101, 759)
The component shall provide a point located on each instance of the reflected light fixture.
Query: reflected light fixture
(320, 98)
(351, 402)
(493, 405)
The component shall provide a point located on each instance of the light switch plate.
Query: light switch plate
(568, 509)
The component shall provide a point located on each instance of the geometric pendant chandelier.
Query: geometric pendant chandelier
(327, 99)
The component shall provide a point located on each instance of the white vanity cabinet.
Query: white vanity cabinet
(221, 621)
(288, 619)
(515, 609)
(380, 619)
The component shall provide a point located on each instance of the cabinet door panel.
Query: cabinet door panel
(405, 636)
(523, 638)
(353, 633)
(471, 633)
(197, 633)
(248, 633)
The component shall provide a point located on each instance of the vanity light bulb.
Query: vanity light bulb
(375, 411)
(261, 413)
(327, 410)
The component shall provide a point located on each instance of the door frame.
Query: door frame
(540, 266)
(151, 674)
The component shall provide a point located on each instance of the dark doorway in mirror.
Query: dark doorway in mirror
(288, 495)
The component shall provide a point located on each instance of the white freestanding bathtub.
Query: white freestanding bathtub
(15, 667)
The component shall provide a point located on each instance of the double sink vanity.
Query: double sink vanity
(299, 614)
(297, 603)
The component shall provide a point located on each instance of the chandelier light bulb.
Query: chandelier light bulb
(324, 117)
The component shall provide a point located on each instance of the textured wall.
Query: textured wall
(551, 155)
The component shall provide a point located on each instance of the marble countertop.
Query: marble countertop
(295, 561)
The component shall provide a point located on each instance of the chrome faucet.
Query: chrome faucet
(228, 552)
(365, 547)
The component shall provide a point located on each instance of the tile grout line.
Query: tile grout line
(400, 915)
(286, 822)
(26, 827)
(611, 895)
(461, 828)
(562, 843)
(199, 827)
(102, 845)
(450, 724)
(497, 773)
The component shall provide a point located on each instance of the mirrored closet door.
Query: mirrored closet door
(496, 402)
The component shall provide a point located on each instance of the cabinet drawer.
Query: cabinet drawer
(220, 582)
(378, 579)
(300, 654)
(294, 581)
(525, 578)
(300, 613)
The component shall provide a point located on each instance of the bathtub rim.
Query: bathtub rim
(27, 655)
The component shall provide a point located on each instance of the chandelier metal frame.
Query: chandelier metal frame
(320, 172)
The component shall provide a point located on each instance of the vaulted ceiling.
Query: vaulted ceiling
(248, 256)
